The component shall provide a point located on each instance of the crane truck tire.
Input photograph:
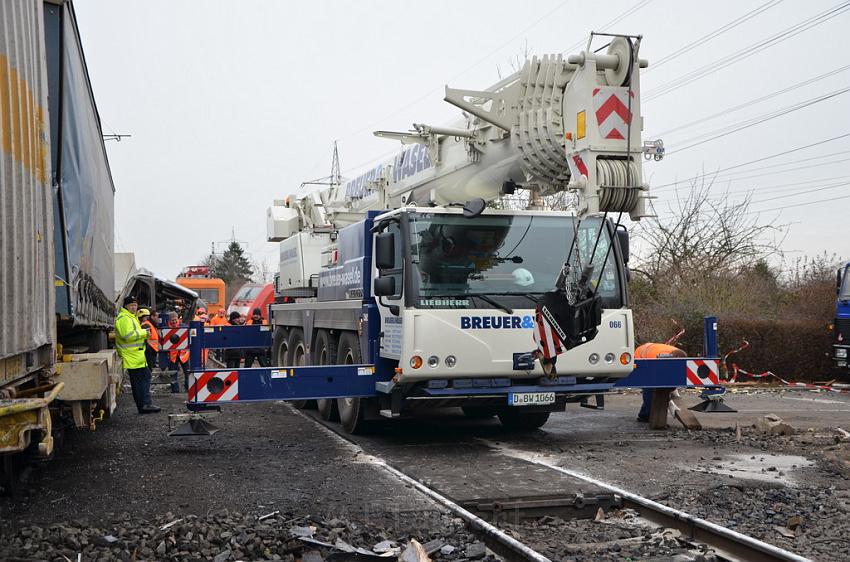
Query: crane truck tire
(513, 419)
(279, 346)
(296, 356)
(351, 410)
(325, 353)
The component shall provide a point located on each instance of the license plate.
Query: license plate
(531, 398)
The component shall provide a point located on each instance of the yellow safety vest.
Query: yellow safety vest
(130, 340)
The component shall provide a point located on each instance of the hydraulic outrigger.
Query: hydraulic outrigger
(209, 389)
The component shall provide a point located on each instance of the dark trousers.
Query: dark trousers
(646, 404)
(140, 382)
(232, 358)
(259, 355)
(151, 357)
(175, 367)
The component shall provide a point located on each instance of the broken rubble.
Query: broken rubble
(772, 424)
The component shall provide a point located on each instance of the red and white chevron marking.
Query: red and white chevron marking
(546, 338)
(226, 391)
(612, 111)
(182, 341)
(712, 378)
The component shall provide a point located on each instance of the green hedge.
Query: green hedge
(793, 349)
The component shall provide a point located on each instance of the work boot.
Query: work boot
(150, 409)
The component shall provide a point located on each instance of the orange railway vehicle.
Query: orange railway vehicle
(210, 289)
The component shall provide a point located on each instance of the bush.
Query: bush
(785, 323)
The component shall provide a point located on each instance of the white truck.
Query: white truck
(399, 268)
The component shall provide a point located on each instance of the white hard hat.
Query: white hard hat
(523, 277)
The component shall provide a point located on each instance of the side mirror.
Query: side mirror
(384, 286)
(385, 251)
(474, 207)
(838, 282)
(623, 239)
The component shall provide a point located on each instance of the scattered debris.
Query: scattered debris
(169, 525)
(773, 425)
(267, 515)
(302, 531)
(787, 533)
(384, 546)
(794, 522)
(600, 515)
(415, 553)
(842, 435)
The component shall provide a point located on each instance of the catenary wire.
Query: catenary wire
(761, 159)
(714, 34)
(752, 102)
(746, 52)
(726, 131)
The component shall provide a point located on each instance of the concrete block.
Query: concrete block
(84, 380)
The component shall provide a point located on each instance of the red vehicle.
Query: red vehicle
(252, 296)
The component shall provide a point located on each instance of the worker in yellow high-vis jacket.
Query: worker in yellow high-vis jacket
(130, 340)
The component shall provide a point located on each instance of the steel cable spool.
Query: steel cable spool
(618, 192)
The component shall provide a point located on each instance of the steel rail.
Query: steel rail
(731, 545)
(729, 542)
(496, 540)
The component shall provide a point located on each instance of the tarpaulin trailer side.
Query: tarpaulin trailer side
(27, 309)
(83, 192)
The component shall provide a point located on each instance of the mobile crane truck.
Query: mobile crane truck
(403, 292)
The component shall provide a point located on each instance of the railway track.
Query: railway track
(583, 492)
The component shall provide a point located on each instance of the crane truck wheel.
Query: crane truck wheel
(350, 409)
(513, 419)
(325, 353)
(296, 356)
(279, 346)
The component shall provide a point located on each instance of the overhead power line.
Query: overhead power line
(802, 192)
(798, 205)
(762, 159)
(430, 93)
(752, 102)
(714, 34)
(778, 168)
(606, 26)
(746, 52)
(756, 202)
(486, 57)
(732, 177)
(734, 128)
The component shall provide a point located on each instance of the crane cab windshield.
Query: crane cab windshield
(454, 259)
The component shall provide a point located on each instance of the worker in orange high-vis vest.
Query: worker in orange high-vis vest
(220, 318)
(149, 321)
(178, 359)
(653, 351)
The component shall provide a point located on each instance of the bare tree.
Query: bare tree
(712, 235)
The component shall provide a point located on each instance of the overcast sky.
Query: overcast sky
(233, 104)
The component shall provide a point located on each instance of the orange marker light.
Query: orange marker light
(415, 361)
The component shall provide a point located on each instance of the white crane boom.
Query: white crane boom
(560, 124)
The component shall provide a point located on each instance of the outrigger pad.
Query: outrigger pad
(194, 428)
(712, 407)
